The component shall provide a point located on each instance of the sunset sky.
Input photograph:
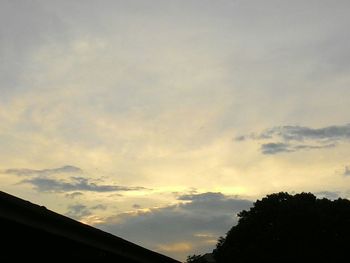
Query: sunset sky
(159, 120)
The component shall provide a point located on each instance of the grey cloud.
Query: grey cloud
(300, 133)
(73, 195)
(44, 172)
(24, 26)
(284, 139)
(310, 147)
(240, 138)
(347, 171)
(76, 184)
(275, 148)
(202, 197)
(207, 214)
(78, 211)
(99, 207)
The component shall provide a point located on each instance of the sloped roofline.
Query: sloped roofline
(26, 213)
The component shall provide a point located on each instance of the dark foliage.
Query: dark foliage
(289, 228)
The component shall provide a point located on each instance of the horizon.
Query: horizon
(158, 121)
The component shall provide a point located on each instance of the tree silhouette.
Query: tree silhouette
(289, 228)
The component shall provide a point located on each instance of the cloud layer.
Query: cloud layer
(149, 93)
(275, 148)
(300, 133)
(67, 169)
(286, 139)
(75, 184)
(79, 211)
(192, 226)
(49, 180)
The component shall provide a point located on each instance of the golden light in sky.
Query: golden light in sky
(137, 115)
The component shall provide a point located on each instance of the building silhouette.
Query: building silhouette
(36, 234)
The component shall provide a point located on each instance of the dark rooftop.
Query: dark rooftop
(33, 232)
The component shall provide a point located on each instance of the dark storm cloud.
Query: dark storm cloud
(43, 172)
(212, 214)
(76, 184)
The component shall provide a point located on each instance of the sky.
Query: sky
(158, 121)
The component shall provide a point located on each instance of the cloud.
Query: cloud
(202, 197)
(44, 172)
(347, 171)
(99, 207)
(76, 184)
(275, 148)
(24, 26)
(198, 222)
(240, 138)
(285, 139)
(300, 133)
(73, 195)
(310, 147)
(79, 211)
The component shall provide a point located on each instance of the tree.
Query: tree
(289, 228)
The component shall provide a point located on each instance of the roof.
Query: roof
(208, 257)
(38, 233)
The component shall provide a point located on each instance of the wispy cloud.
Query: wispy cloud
(73, 195)
(301, 133)
(284, 139)
(275, 148)
(202, 197)
(76, 184)
(44, 172)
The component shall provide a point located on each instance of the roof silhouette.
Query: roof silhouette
(33, 232)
